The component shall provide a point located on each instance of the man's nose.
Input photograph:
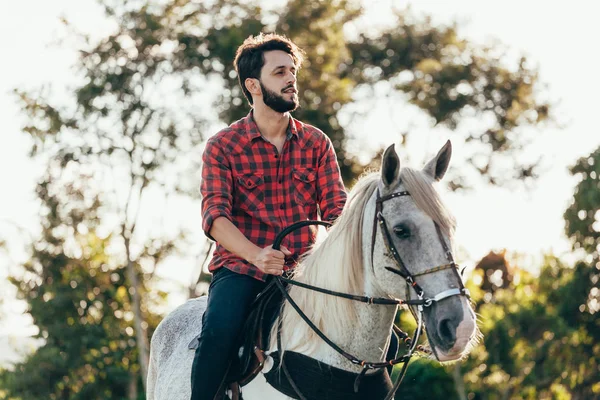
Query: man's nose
(291, 78)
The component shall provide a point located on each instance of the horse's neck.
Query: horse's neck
(369, 339)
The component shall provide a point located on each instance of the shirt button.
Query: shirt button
(276, 155)
(281, 206)
(280, 180)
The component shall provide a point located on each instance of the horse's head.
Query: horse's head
(414, 223)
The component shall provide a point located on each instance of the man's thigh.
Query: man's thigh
(229, 298)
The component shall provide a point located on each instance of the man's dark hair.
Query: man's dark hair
(249, 57)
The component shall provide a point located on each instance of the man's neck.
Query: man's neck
(271, 124)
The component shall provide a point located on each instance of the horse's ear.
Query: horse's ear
(437, 167)
(390, 168)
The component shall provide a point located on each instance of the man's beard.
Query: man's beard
(276, 102)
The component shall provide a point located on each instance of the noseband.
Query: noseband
(420, 302)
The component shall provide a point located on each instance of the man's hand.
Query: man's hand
(270, 261)
(229, 236)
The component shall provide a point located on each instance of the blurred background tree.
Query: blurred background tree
(142, 104)
(447, 77)
(541, 334)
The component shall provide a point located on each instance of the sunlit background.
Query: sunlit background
(510, 213)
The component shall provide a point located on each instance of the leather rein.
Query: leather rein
(420, 302)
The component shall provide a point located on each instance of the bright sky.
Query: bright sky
(560, 37)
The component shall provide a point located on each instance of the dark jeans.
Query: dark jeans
(229, 298)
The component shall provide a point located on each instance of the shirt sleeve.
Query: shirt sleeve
(216, 186)
(330, 187)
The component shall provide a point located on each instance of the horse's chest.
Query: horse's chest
(319, 381)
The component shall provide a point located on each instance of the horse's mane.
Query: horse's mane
(337, 262)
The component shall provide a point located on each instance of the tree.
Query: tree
(539, 337)
(537, 342)
(141, 107)
(541, 333)
(79, 298)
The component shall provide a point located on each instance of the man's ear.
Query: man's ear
(253, 86)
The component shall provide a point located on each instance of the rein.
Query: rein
(420, 302)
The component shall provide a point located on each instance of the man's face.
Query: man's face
(278, 82)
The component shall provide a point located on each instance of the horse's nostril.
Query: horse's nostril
(447, 331)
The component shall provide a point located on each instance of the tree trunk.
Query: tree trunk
(132, 391)
(194, 284)
(459, 383)
(140, 332)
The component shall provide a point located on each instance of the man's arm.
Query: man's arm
(229, 236)
(217, 197)
(330, 187)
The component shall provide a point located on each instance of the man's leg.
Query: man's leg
(229, 298)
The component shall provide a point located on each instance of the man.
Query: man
(260, 175)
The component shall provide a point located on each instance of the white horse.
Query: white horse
(357, 257)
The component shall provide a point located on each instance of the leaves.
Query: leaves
(583, 215)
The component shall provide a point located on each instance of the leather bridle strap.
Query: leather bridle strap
(450, 257)
(434, 269)
(363, 299)
(379, 218)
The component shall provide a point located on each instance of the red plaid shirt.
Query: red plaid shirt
(261, 192)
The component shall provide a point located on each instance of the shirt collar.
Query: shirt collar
(253, 132)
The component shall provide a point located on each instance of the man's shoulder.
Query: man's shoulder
(309, 133)
(229, 137)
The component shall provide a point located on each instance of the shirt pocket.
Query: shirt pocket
(251, 191)
(304, 185)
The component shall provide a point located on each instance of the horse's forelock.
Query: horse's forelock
(420, 187)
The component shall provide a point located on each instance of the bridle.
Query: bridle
(420, 302)
(402, 270)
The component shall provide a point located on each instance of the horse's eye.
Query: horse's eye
(402, 232)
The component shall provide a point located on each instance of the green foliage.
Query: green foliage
(448, 74)
(583, 215)
(537, 340)
(426, 379)
(540, 337)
